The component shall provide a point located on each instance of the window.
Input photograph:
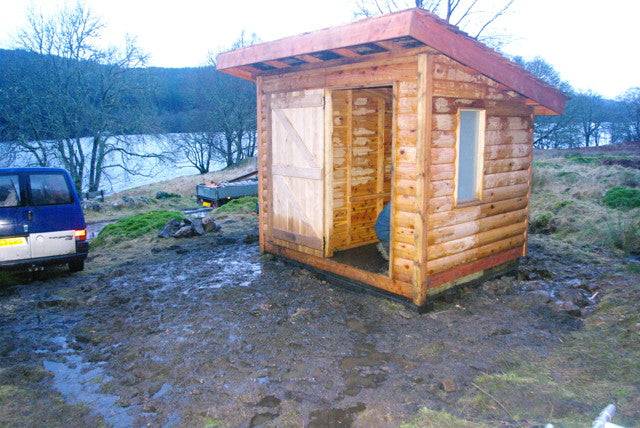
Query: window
(470, 155)
(49, 189)
(9, 191)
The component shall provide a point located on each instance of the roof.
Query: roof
(32, 170)
(361, 40)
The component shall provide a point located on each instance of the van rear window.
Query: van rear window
(9, 191)
(49, 189)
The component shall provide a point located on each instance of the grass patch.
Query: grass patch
(245, 204)
(593, 367)
(622, 197)
(8, 278)
(588, 160)
(542, 222)
(428, 418)
(135, 226)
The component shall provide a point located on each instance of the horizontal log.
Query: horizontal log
(403, 269)
(503, 179)
(443, 139)
(444, 171)
(508, 192)
(501, 123)
(506, 165)
(444, 122)
(474, 212)
(404, 234)
(440, 156)
(404, 250)
(480, 239)
(441, 279)
(507, 151)
(441, 188)
(517, 136)
(373, 279)
(457, 231)
(445, 263)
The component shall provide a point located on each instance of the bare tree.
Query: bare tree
(473, 16)
(201, 149)
(80, 101)
(232, 104)
(630, 115)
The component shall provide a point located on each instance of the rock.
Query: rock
(209, 225)
(170, 229)
(250, 238)
(566, 307)
(7, 345)
(197, 226)
(269, 401)
(87, 335)
(539, 296)
(501, 332)
(54, 303)
(92, 205)
(499, 286)
(184, 232)
(575, 296)
(166, 195)
(448, 385)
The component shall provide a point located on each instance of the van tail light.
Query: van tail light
(80, 235)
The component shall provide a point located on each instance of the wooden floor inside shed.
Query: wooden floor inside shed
(365, 257)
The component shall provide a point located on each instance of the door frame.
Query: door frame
(328, 166)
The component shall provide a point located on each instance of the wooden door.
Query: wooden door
(297, 141)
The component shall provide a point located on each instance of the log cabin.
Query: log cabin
(403, 109)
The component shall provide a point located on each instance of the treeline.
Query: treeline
(66, 100)
(589, 119)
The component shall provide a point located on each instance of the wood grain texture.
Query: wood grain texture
(297, 163)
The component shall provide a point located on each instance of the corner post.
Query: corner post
(423, 174)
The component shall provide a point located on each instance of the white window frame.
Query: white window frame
(480, 137)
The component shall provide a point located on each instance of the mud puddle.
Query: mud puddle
(80, 382)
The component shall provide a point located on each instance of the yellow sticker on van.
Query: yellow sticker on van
(5, 242)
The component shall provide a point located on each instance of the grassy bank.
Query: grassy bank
(586, 200)
(175, 195)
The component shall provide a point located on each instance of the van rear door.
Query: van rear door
(54, 214)
(14, 240)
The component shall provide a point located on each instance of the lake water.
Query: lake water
(141, 171)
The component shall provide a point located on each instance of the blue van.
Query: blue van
(41, 220)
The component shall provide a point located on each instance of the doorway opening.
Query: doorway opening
(361, 158)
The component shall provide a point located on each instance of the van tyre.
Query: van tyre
(76, 265)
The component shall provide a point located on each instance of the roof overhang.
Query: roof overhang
(365, 39)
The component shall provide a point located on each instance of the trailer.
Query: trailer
(213, 195)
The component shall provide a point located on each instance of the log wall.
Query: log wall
(400, 73)
(361, 144)
(497, 223)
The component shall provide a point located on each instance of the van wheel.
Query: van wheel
(76, 266)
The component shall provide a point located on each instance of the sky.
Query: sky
(593, 44)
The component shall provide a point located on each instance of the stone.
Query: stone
(166, 195)
(170, 229)
(198, 228)
(539, 296)
(448, 385)
(575, 296)
(92, 205)
(250, 238)
(567, 307)
(184, 232)
(209, 225)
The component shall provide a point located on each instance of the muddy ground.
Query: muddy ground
(207, 332)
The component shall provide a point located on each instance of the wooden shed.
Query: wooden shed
(401, 108)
